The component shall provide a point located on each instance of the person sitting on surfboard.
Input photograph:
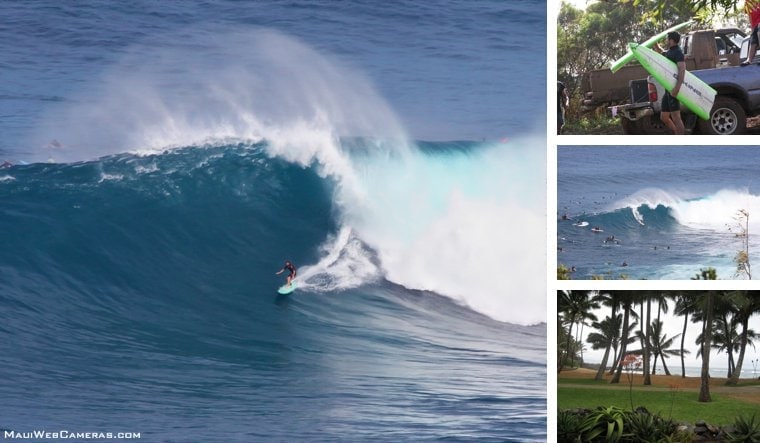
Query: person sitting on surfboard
(671, 108)
(292, 269)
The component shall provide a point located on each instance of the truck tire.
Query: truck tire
(629, 127)
(727, 117)
(652, 125)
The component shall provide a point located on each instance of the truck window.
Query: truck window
(720, 45)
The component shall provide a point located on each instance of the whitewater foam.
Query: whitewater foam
(468, 225)
(717, 211)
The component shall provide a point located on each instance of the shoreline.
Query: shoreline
(675, 381)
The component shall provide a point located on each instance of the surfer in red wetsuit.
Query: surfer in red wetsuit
(292, 269)
(752, 8)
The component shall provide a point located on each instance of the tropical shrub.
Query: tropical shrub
(642, 426)
(604, 424)
(746, 430)
(569, 426)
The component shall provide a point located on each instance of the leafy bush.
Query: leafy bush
(604, 424)
(745, 430)
(568, 426)
(642, 426)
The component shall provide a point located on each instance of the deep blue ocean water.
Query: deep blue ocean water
(672, 211)
(168, 157)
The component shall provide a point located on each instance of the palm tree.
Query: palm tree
(725, 337)
(608, 335)
(704, 389)
(627, 299)
(705, 301)
(685, 305)
(573, 307)
(661, 345)
(747, 304)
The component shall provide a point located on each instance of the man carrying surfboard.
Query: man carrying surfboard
(671, 109)
(292, 269)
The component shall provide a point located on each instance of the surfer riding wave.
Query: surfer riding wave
(292, 269)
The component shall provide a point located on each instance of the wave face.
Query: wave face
(155, 274)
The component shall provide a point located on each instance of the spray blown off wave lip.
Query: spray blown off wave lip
(244, 85)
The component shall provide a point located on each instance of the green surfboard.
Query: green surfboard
(622, 61)
(695, 94)
(287, 289)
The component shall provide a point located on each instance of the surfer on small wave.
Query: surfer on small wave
(292, 269)
(671, 108)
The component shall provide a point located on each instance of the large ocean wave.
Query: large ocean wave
(432, 220)
(654, 208)
(444, 217)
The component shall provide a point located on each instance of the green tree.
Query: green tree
(747, 304)
(627, 299)
(574, 308)
(685, 305)
(661, 345)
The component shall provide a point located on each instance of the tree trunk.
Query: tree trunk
(616, 362)
(567, 347)
(734, 379)
(729, 346)
(683, 337)
(704, 389)
(624, 341)
(664, 366)
(603, 366)
(647, 351)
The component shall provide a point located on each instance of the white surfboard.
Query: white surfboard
(697, 95)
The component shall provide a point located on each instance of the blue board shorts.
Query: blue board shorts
(560, 119)
(670, 103)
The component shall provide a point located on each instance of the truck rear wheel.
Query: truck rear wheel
(629, 127)
(727, 117)
(652, 125)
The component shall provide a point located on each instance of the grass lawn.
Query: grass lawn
(685, 408)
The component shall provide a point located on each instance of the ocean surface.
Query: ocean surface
(168, 157)
(665, 212)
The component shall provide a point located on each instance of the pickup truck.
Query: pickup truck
(704, 49)
(738, 98)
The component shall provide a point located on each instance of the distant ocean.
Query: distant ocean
(696, 371)
(665, 212)
(169, 156)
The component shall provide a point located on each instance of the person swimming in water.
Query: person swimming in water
(292, 269)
